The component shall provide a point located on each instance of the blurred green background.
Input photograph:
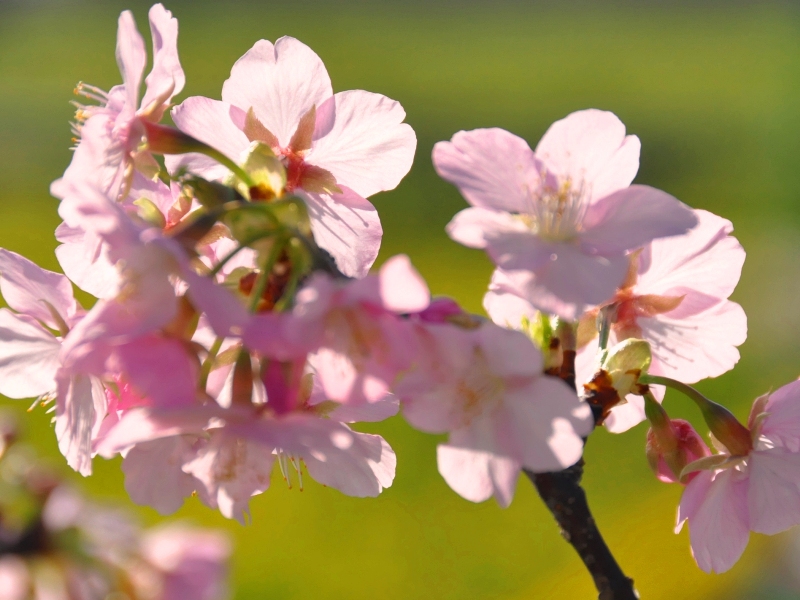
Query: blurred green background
(711, 90)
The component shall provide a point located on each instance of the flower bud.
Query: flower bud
(625, 362)
(162, 139)
(726, 429)
(671, 445)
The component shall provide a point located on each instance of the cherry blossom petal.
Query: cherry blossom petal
(166, 79)
(632, 217)
(505, 238)
(774, 491)
(160, 369)
(347, 226)
(212, 122)
(366, 413)
(281, 83)
(547, 420)
(719, 528)
(509, 353)
(505, 308)
(570, 283)
(80, 406)
(28, 357)
(342, 381)
(696, 347)
(402, 288)
(590, 146)
(153, 475)
(224, 311)
(477, 476)
(706, 259)
(192, 563)
(140, 425)
(131, 56)
(29, 289)
(356, 464)
(232, 470)
(783, 425)
(83, 257)
(368, 149)
(492, 168)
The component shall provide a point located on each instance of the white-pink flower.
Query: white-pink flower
(758, 492)
(113, 132)
(359, 342)
(558, 220)
(338, 149)
(674, 296)
(188, 562)
(485, 386)
(42, 311)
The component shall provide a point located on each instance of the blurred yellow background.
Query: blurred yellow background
(712, 91)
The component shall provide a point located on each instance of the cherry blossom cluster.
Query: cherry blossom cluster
(237, 324)
(56, 545)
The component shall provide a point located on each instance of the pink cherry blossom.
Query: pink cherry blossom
(190, 562)
(759, 491)
(113, 133)
(485, 387)
(84, 256)
(358, 341)
(558, 220)
(674, 296)
(338, 149)
(42, 311)
(225, 451)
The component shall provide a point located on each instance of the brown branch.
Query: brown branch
(562, 493)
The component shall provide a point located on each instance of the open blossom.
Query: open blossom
(188, 562)
(674, 296)
(338, 149)
(359, 343)
(113, 136)
(226, 451)
(759, 491)
(485, 386)
(85, 256)
(559, 220)
(43, 311)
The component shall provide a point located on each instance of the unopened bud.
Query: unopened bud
(625, 363)
(671, 446)
(732, 434)
(162, 139)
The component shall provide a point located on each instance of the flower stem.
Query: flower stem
(225, 259)
(722, 423)
(163, 139)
